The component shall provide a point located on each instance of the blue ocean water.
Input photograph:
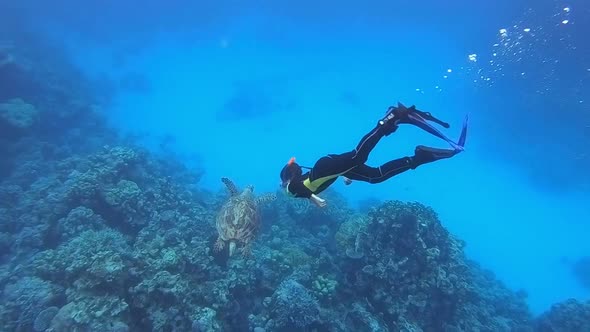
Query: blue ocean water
(238, 88)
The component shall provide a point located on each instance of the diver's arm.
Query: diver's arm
(317, 200)
(298, 189)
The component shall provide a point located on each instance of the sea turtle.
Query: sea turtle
(238, 220)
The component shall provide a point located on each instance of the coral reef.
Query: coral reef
(293, 306)
(413, 273)
(24, 299)
(570, 315)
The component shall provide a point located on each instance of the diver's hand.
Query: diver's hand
(317, 200)
(347, 181)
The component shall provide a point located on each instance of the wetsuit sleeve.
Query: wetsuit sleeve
(298, 189)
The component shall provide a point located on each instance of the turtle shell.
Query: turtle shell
(238, 220)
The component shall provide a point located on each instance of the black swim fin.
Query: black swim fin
(425, 154)
(428, 116)
(420, 119)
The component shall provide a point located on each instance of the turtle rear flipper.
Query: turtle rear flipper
(230, 186)
(266, 198)
(219, 245)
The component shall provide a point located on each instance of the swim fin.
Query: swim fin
(420, 119)
(425, 154)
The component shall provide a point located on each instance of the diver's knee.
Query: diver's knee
(359, 159)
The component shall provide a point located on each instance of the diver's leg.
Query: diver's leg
(340, 163)
(422, 155)
(331, 165)
(386, 126)
(379, 174)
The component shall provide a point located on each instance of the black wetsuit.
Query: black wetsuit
(351, 165)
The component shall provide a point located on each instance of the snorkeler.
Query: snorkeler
(351, 165)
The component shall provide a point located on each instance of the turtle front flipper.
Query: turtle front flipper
(230, 186)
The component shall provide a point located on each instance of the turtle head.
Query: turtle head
(249, 188)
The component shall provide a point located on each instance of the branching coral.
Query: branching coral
(324, 287)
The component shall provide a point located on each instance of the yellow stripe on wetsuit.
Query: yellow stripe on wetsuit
(317, 183)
